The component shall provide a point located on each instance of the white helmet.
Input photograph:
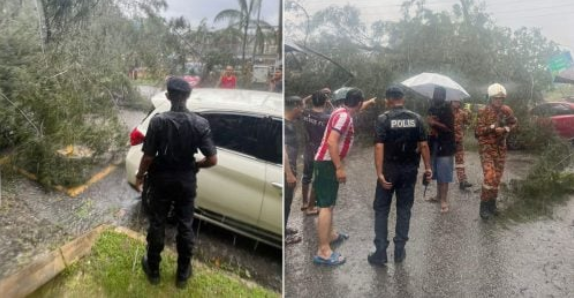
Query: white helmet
(496, 90)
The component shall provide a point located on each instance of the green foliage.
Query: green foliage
(546, 185)
(113, 270)
(60, 94)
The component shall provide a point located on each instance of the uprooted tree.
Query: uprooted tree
(63, 73)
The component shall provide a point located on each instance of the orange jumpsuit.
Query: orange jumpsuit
(492, 147)
(461, 118)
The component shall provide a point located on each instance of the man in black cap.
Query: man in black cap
(400, 141)
(172, 139)
(293, 109)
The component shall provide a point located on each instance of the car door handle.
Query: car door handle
(277, 185)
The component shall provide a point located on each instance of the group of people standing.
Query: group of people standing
(401, 138)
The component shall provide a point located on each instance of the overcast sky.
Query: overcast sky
(195, 11)
(554, 17)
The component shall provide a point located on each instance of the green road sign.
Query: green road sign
(560, 62)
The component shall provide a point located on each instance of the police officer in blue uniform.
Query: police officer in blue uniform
(172, 139)
(400, 140)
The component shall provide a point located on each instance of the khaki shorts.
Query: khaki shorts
(325, 184)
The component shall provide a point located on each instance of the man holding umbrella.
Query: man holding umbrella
(442, 90)
(441, 140)
(493, 125)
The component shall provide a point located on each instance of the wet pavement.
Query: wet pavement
(448, 255)
(35, 221)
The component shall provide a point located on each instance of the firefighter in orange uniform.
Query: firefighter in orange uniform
(494, 123)
(461, 119)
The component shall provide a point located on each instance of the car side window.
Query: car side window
(260, 137)
(234, 132)
(270, 140)
(561, 109)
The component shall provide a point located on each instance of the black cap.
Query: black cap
(292, 102)
(394, 92)
(175, 84)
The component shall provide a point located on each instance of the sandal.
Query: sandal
(304, 207)
(334, 260)
(291, 231)
(340, 238)
(312, 211)
(293, 239)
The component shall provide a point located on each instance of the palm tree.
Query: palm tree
(241, 18)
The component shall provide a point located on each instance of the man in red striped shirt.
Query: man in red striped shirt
(329, 172)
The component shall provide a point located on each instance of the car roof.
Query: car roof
(229, 100)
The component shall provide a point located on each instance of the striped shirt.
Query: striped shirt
(341, 122)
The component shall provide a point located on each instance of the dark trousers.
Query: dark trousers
(288, 200)
(404, 180)
(166, 190)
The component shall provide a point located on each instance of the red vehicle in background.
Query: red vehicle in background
(560, 115)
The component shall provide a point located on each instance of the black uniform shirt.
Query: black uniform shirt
(174, 137)
(400, 130)
(315, 124)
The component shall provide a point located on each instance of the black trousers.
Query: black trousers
(165, 190)
(404, 178)
(288, 199)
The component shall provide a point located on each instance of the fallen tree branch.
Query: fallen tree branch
(38, 133)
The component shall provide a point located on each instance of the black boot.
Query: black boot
(485, 212)
(400, 254)
(464, 184)
(151, 273)
(378, 258)
(183, 274)
(492, 207)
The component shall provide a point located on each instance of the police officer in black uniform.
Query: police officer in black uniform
(400, 140)
(172, 139)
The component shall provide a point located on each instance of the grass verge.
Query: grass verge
(113, 270)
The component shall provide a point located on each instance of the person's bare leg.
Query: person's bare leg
(305, 194)
(312, 208)
(332, 234)
(324, 226)
(434, 199)
(442, 194)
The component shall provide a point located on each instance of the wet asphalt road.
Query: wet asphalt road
(33, 221)
(450, 255)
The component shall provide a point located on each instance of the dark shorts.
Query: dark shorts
(325, 183)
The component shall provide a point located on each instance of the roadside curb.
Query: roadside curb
(47, 266)
(71, 191)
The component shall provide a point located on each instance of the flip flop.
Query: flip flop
(431, 199)
(304, 207)
(312, 211)
(334, 260)
(340, 238)
(444, 209)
